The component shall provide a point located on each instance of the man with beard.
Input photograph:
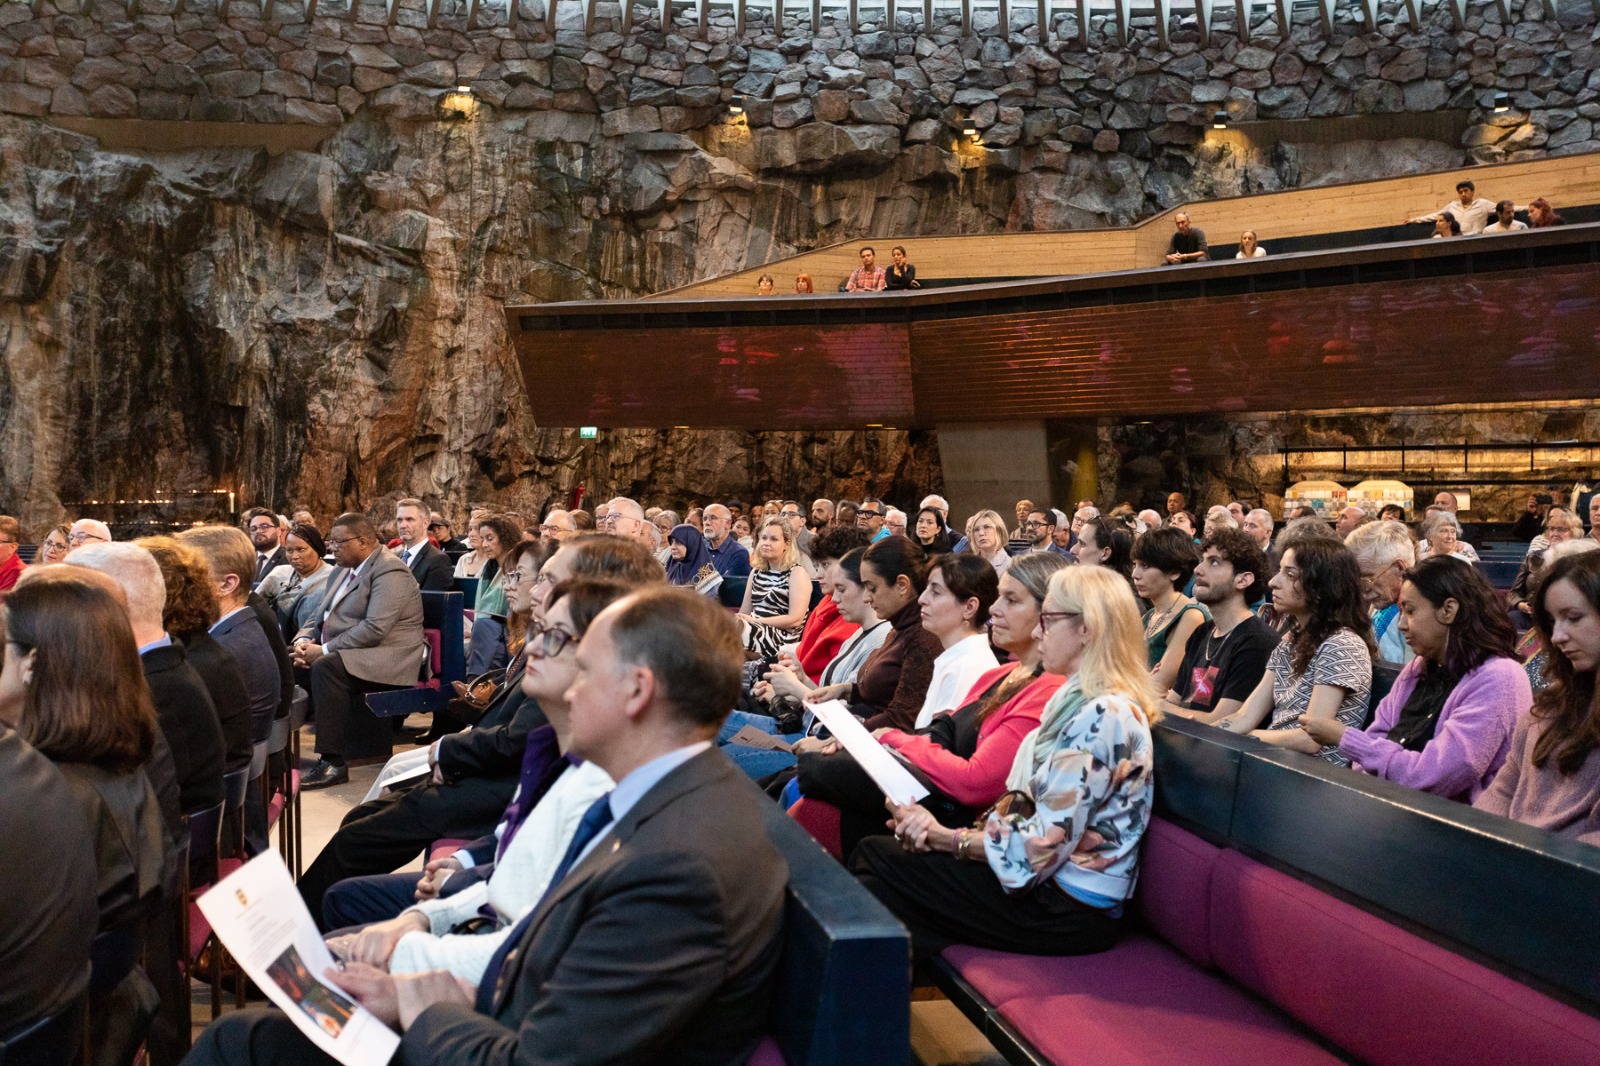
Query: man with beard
(1226, 658)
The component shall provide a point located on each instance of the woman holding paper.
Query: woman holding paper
(531, 841)
(1081, 789)
(965, 751)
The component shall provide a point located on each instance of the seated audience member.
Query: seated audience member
(191, 609)
(88, 531)
(964, 750)
(764, 285)
(1531, 521)
(1257, 525)
(486, 646)
(1188, 242)
(742, 534)
(1559, 528)
(1441, 535)
(44, 932)
(894, 680)
(583, 521)
(901, 274)
(1446, 226)
(476, 770)
(1084, 513)
(1466, 214)
(1176, 501)
(1147, 520)
(1019, 543)
(294, 590)
(868, 277)
(1541, 214)
(1349, 519)
(1505, 220)
(986, 538)
(929, 532)
(1531, 648)
(778, 595)
(261, 525)
(1248, 248)
(731, 558)
(1551, 778)
(54, 548)
(1323, 667)
(1237, 509)
(955, 608)
(1391, 512)
(73, 688)
(11, 564)
(845, 513)
(1298, 530)
(1086, 774)
(821, 517)
(894, 521)
(1039, 530)
(1163, 562)
(785, 685)
(471, 563)
(1218, 518)
(1184, 521)
(533, 834)
(625, 518)
(1446, 724)
(300, 514)
(825, 631)
(802, 284)
(442, 532)
(869, 516)
(1224, 658)
(1104, 543)
(1384, 551)
(429, 565)
(558, 525)
(698, 891)
(689, 560)
(187, 719)
(368, 638)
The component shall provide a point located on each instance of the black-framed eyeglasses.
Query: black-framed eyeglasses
(1049, 618)
(341, 542)
(549, 641)
(79, 538)
(869, 514)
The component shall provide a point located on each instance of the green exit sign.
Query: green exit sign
(588, 432)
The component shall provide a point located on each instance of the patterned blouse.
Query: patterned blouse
(1088, 769)
(769, 598)
(1343, 660)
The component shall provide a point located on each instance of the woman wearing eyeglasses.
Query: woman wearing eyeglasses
(535, 830)
(1049, 869)
(54, 548)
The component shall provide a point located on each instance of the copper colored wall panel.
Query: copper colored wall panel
(1516, 335)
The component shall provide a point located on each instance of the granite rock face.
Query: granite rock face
(325, 327)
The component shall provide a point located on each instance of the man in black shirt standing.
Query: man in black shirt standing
(1188, 244)
(1227, 658)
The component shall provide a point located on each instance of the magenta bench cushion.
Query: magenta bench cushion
(1174, 895)
(1384, 995)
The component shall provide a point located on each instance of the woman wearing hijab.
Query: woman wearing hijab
(690, 556)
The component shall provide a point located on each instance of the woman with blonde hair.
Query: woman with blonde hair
(778, 595)
(1081, 789)
(987, 536)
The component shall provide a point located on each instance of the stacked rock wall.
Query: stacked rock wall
(324, 326)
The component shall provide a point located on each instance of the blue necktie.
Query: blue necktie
(594, 821)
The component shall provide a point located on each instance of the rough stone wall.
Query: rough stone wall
(325, 327)
(1213, 460)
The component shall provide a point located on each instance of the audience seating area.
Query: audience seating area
(1291, 912)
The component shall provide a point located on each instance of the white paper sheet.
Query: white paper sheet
(259, 916)
(408, 775)
(880, 764)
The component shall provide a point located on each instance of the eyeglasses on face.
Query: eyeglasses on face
(79, 538)
(1049, 618)
(341, 542)
(549, 641)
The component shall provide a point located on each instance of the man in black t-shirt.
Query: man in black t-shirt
(1225, 659)
(1188, 244)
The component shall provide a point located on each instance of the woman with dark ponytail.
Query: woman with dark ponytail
(894, 680)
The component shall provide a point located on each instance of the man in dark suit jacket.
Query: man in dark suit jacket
(659, 935)
(430, 566)
(265, 534)
(368, 638)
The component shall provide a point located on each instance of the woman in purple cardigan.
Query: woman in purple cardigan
(1446, 724)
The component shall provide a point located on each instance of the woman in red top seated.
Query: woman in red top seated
(965, 753)
(825, 630)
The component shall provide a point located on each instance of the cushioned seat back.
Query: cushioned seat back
(1175, 888)
(1382, 994)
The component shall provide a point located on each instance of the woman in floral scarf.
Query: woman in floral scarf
(1048, 870)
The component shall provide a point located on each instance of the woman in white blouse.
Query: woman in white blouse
(1248, 248)
(955, 608)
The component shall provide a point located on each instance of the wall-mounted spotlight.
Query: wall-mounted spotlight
(467, 89)
(1219, 121)
(736, 105)
(969, 129)
(1502, 103)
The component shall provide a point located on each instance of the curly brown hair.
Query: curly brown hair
(191, 597)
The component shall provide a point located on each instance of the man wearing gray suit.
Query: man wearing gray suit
(368, 637)
(658, 937)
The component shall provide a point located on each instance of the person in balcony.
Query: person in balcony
(901, 274)
(1248, 248)
(1505, 219)
(1445, 726)
(764, 285)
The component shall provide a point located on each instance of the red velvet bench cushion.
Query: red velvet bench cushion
(1174, 894)
(1385, 995)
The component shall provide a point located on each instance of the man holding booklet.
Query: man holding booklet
(658, 937)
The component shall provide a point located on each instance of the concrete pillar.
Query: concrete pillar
(993, 465)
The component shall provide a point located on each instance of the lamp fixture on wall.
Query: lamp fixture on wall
(465, 89)
(1219, 121)
(969, 129)
(1502, 103)
(736, 105)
